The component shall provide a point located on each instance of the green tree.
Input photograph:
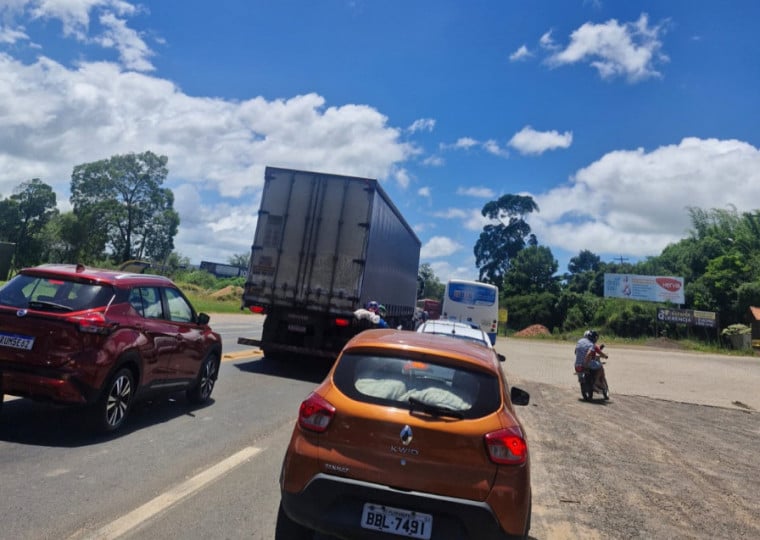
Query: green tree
(23, 217)
(583, 269)
(241, 260)
(124, 206)
(532, 271)
(431, 286)
(500, 242)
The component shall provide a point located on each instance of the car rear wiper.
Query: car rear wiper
(435, 410)
(37, 304)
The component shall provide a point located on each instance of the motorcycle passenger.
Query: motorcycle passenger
(382, 311)
(587, 354)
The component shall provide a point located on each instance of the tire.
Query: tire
(606, 394)
(201, 390)
(114, 404)
(287, 529)
(586, 393)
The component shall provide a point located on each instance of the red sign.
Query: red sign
(669, 284)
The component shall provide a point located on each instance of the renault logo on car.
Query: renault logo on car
(406, 435)
(21, 313)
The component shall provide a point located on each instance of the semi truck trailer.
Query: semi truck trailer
(325, 245)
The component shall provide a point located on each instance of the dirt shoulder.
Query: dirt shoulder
(636, 467)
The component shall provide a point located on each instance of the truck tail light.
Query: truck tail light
(507, 447)
(342, 323)
(260, 310)
(315, 413)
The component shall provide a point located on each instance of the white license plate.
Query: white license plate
(16, 341)
(397, 521)
(297, 328)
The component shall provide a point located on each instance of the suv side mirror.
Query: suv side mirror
(519, 396)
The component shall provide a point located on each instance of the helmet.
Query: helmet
(592, 335)
(381, 310)
(372, 306)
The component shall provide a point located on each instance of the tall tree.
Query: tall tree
(23, 217)
(122, 200)
(500, 242)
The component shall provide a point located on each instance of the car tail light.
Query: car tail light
(507, 447)
(315, 413)
(91, 323)
(343, 323)
(260, 310)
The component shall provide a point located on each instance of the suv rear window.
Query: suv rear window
(53, 294)
(393, 381)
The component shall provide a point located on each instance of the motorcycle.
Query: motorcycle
(586, 380)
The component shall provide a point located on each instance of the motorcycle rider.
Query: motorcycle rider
(587, 354)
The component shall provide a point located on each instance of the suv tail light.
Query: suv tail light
(315, 413)
(91, 323)
(259, 310)
(342, 323)
(507, 447)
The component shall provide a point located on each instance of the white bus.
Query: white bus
(472, 302)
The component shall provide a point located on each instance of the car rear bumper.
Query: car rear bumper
(333, 505)
(48, 387)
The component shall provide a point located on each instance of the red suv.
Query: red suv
(102, 338)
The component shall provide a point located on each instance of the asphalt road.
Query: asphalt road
(673, 454)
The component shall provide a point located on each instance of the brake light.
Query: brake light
(91, 323)
(260, 310)
(507, 447)
(343, 323)
(315, 413)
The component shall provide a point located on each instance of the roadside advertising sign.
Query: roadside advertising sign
(691, 317)
(647, 288)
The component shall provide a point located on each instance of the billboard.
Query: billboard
(647, 288)
(691, 317)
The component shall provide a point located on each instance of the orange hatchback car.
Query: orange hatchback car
(410, 435)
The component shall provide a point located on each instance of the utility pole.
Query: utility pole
(621, 259)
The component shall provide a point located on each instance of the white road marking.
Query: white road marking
(127, 522)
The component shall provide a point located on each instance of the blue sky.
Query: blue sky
(614, 116)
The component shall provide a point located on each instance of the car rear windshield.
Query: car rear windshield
(53, 294)
(426, 385)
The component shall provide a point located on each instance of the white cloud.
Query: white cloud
(471, 218)
(530, 141)
(12, 35)
(402, 177)
(522, 53)
(635, 202)
(423, 124)
(467, 143)
(433, 161)
(53, 118)
(439, 246)
(492, 147)
(479, 192)
(613, 49)
(424, 192)
(133, 51)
